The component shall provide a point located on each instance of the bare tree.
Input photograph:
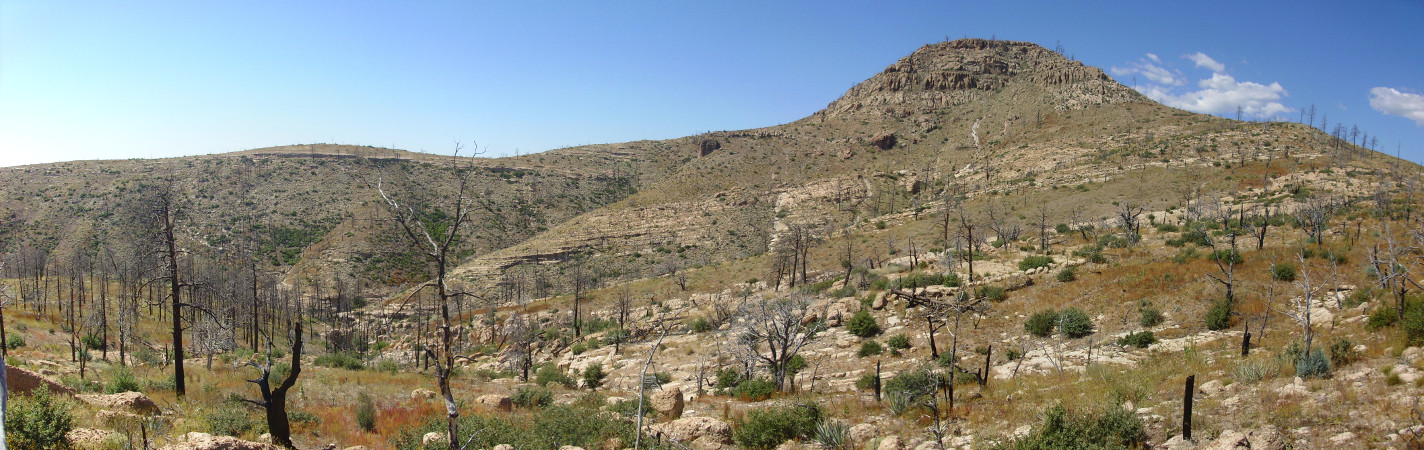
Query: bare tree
(1314, 217)
(1299, 308)
(1043, 228)
(162, 210)
(1226, 261)
(1394, 266)
(274, 401)
(436, 232)
(775, 332)
(969, 239)
(1128, 214)
(1261, 226)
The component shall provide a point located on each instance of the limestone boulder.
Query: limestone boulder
(423, 394)
(689, 429)
(204, 441)
(132, 402)
(668, 403)
(22, 381)
(496, 401)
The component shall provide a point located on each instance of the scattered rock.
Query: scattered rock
(496, 401)
(668, 403)
(357, 447)
(1210, 388)
(422, 394)
(432, 438)
(570, 447)
(1296, 387)
(134, 402)
(204, 441)
(879, 302)
(1343, 438)
(688, 429)
(883, 141)
(1412, 354)
(709, 145)
(22, 381)
(1228, 440)
(861, 433)
(890, 443)
(88, 437)
(503, 447)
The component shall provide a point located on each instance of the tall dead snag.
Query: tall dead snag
(161, 211)
(969, 240)
(435, 232)
(274, 401)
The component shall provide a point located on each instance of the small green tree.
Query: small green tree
(38, 421)
(365, 412)
(1041, 323)
(1219, 316)
(1074, 323)
(863, 324)
(593, 376)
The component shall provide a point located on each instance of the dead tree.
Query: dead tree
(1043, 228)
(1314, 217)
(435, 233)
(1128, 215)
(274, 401)
(1226, 261)
(971, 241)
(1394, 266)
(775, 332)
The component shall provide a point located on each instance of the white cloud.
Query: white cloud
(1220, 93)
(1153, 72)
(1393, 102)
(1206, 62)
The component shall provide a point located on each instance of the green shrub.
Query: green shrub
(914, 383)
(993, 293)
(769, 427)
(1219, 316)
(531, 396)
(1198, 236)
(1382, 316)
(1167, 228)
(1414, 323)
(866, 382)
(578, 348)
(1283, 272)
(1312, 363)
(869, 348)
(1092, 253)
(1342, 352)
(1151, 317)
(1226, 256)
(339, 361)
(1066, 275)
(1034, 262)
(1140, 339)
(557, 425)
(833, 435)
(898, 342)
(123, 380)
(628, 408)
(727, 378)
(1013, 354)
(550, 373)
(38, 421)
(1041, 323)
(1062, 228)
(756, 389)
(365, 412)
(387, 366)
(92, 341)
(1074, 323)
(1112, 428)
(230, 420)
(700, 325)
(863, 324)
(14, 341)
(1255, 369)
(593, 376)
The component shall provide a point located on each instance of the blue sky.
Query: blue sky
(136, 79)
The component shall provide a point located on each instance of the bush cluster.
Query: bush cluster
(1113, 427)
(862, 324)
(365, 412)
(339, 361)
(1034, 262)
(870, 348)
(769, 427)
(1074, 323)
(898, 342)
(39, 420)
(1041, 323)
(1219, 316)
(531, 396)
(1141, 339)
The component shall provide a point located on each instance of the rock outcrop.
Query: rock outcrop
(668, 403)
(689, 429)
(22, 381)
(130, 402)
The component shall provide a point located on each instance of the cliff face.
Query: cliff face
(948, 74)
